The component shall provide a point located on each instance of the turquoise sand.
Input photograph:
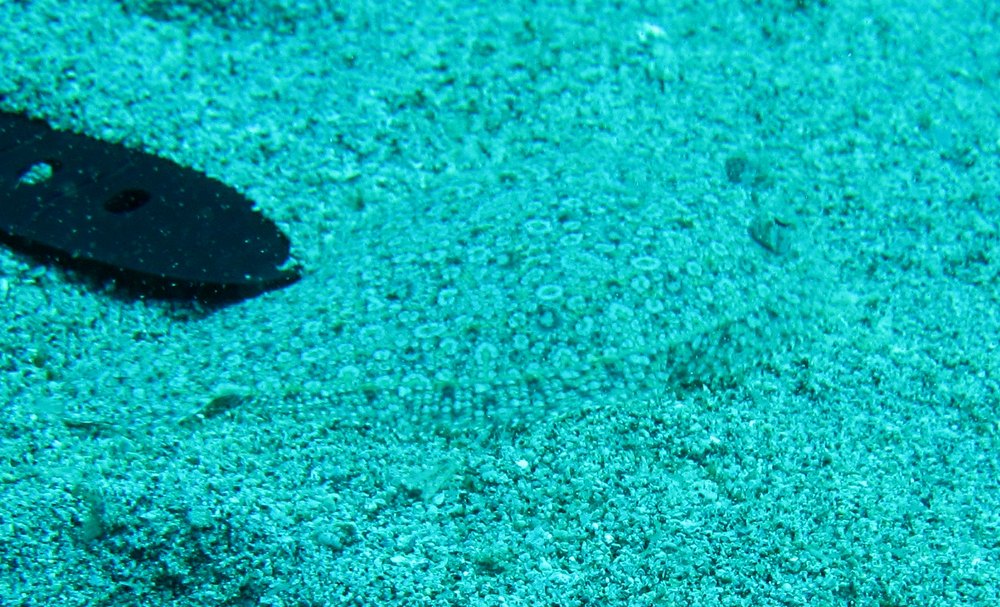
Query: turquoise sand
(604, 303)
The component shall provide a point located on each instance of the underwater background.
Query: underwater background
(620, 303)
